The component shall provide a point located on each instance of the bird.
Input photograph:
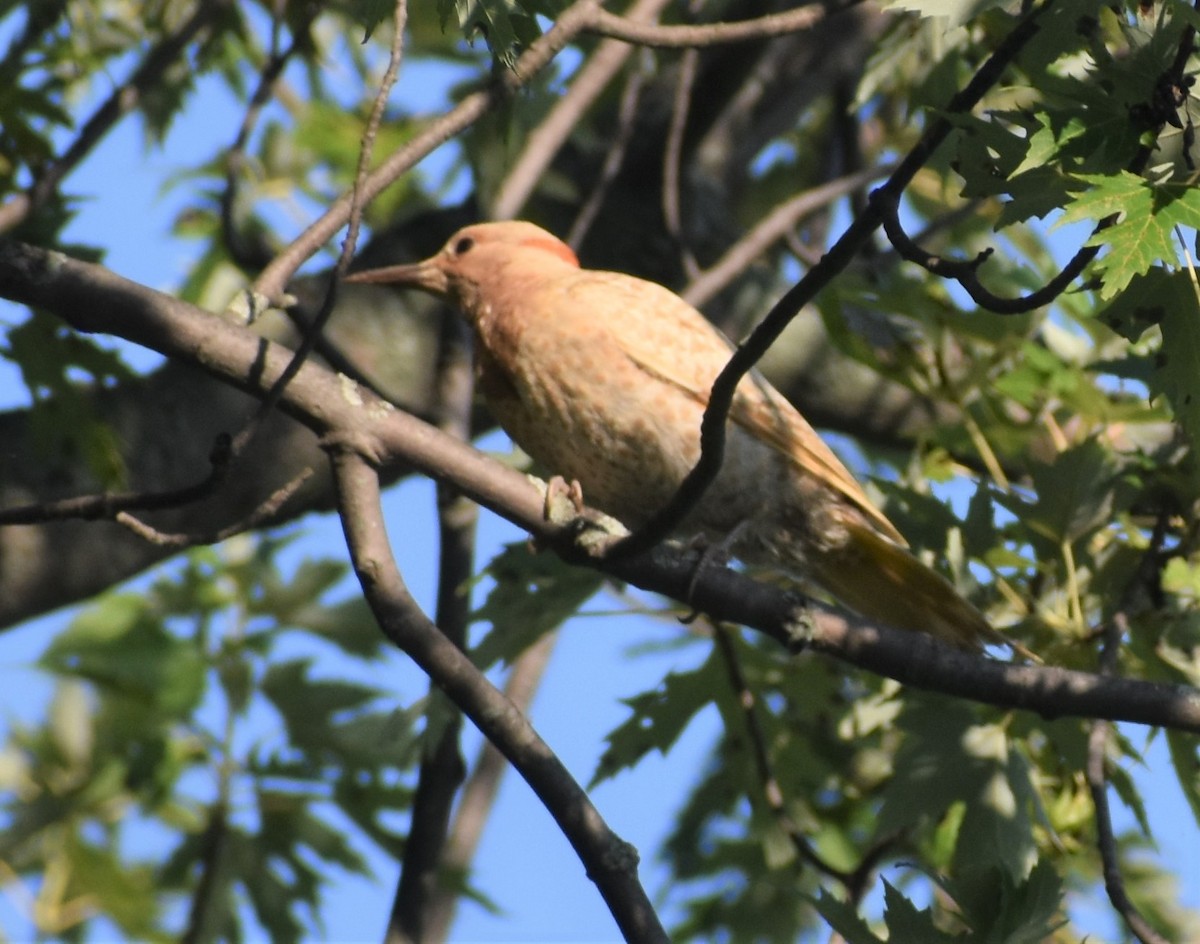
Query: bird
(603, 379)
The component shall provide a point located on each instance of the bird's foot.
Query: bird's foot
(712, 554)
(591, 531)
(563, 501)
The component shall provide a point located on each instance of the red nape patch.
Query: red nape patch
(554, 246)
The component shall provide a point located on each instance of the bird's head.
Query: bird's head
(478, 259)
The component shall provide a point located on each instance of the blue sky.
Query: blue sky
(524, 863)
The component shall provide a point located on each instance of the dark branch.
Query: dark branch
(111, 504)
(93, 299)
(610, 862)
(1097, 779)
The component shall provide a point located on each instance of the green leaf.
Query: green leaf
(998, 819)
(280, 598)
(272, 898)
(503, 24)
(534, 594)
(1169, 300)
(369, 14)
(1077, 493)
(1185, 757)
(123, 892)
(932, 769)
(906, 923)
(120, 644)
(842, 918)
(1178, 366)
(659, 716)
(1004, 910)
(955, 12)
(1144, 235)
(287, 825)
(308, 704)
(1146, 301)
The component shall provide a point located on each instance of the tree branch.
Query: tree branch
(479, 793)
(629, 30)
(423, 869)
(769, 230)
(91, 298)
(610, 862)
(685, 81)
(1097, 780)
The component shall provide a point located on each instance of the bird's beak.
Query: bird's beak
(427, 275)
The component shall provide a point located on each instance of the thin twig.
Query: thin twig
(260, 516)
(613, 159)
(772, 792)
(770, 229)
(672, 155)
(1097, 779)
(254, 257)
(856, 880)
(109, 505)
(357, 200)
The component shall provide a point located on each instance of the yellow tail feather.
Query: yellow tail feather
(883, 582)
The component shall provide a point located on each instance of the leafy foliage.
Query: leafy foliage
(157, 720)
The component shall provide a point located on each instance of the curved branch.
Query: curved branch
(610, 862)
(629, 30)
(966, 271)
(91, 298)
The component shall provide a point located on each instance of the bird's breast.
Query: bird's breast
(564, 388)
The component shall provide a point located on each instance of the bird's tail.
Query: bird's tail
(883, 582)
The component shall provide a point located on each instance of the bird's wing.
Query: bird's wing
(669, 339)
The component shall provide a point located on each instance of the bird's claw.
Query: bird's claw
(591, 531)
(712, 554)
(563, 502)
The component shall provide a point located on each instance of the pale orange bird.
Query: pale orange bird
(603, 378)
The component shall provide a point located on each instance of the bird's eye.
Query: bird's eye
(463, 245)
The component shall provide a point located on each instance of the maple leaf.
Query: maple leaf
(1147, 213)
